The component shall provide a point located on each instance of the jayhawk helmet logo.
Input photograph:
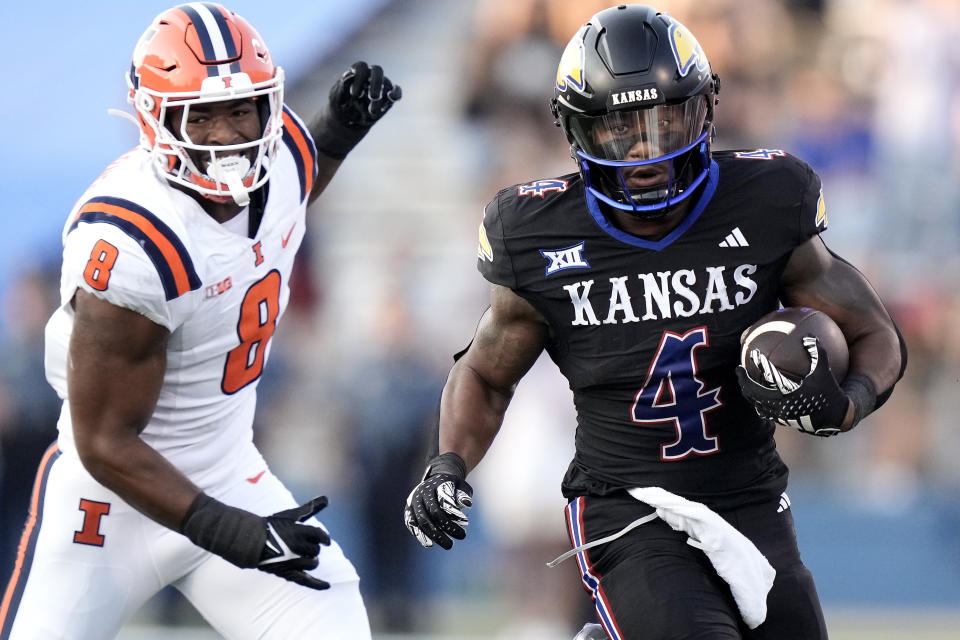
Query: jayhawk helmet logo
(570, 70)
(484, 250)
(686, 50)
(821, 220)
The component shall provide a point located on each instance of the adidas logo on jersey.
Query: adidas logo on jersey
(784, 503)
(735, 239)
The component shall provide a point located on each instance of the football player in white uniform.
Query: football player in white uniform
(176, 266)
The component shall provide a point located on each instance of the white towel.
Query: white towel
(735, 558)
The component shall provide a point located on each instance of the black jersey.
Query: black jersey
(648, 333)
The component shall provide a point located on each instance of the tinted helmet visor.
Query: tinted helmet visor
(644, 160)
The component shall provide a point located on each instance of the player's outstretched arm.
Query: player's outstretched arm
(117, 364)
(509, 339)
(816, 277)
(358, 99)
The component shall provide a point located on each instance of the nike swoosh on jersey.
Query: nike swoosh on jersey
(284, 240)
(255, 479)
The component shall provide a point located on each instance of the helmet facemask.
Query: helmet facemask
(226, 171)
(644, 161)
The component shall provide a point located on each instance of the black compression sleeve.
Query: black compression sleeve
(448, 462)
(332, 138)
(862, 392)
(236, 535)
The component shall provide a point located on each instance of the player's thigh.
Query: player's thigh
(269, 495)
(84, 565)
(793, 605)
(650, 584)
(245, 604)
(670, 598)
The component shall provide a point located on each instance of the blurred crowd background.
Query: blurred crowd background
(867, 91)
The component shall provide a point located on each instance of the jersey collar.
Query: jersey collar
(709, 188)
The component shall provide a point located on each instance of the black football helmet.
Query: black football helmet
(635, 96)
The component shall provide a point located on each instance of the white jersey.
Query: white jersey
(136, 242)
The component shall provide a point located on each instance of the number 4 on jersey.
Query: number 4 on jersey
(673, 393)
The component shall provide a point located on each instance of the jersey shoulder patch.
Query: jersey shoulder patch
(540, 188)
(521, 205)
(759, 154)
(493, 258)
(519, 219)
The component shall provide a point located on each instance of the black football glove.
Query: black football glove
(434, 509)
(291, 547)
(816, 405)
(362, 95)
(358, 99)
(279, 544)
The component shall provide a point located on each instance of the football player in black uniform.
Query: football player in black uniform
(638, 275)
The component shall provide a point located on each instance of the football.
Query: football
(779, 336)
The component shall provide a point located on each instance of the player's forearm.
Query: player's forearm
(877, 355)
(471, 412)
(140, 475)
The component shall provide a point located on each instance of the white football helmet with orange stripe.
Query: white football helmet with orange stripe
(197, 53)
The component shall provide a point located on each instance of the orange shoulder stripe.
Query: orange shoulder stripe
(163, 246)
(304, 147)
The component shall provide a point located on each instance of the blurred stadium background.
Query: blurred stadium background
(867, 91)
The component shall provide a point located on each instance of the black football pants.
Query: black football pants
(651, 585)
